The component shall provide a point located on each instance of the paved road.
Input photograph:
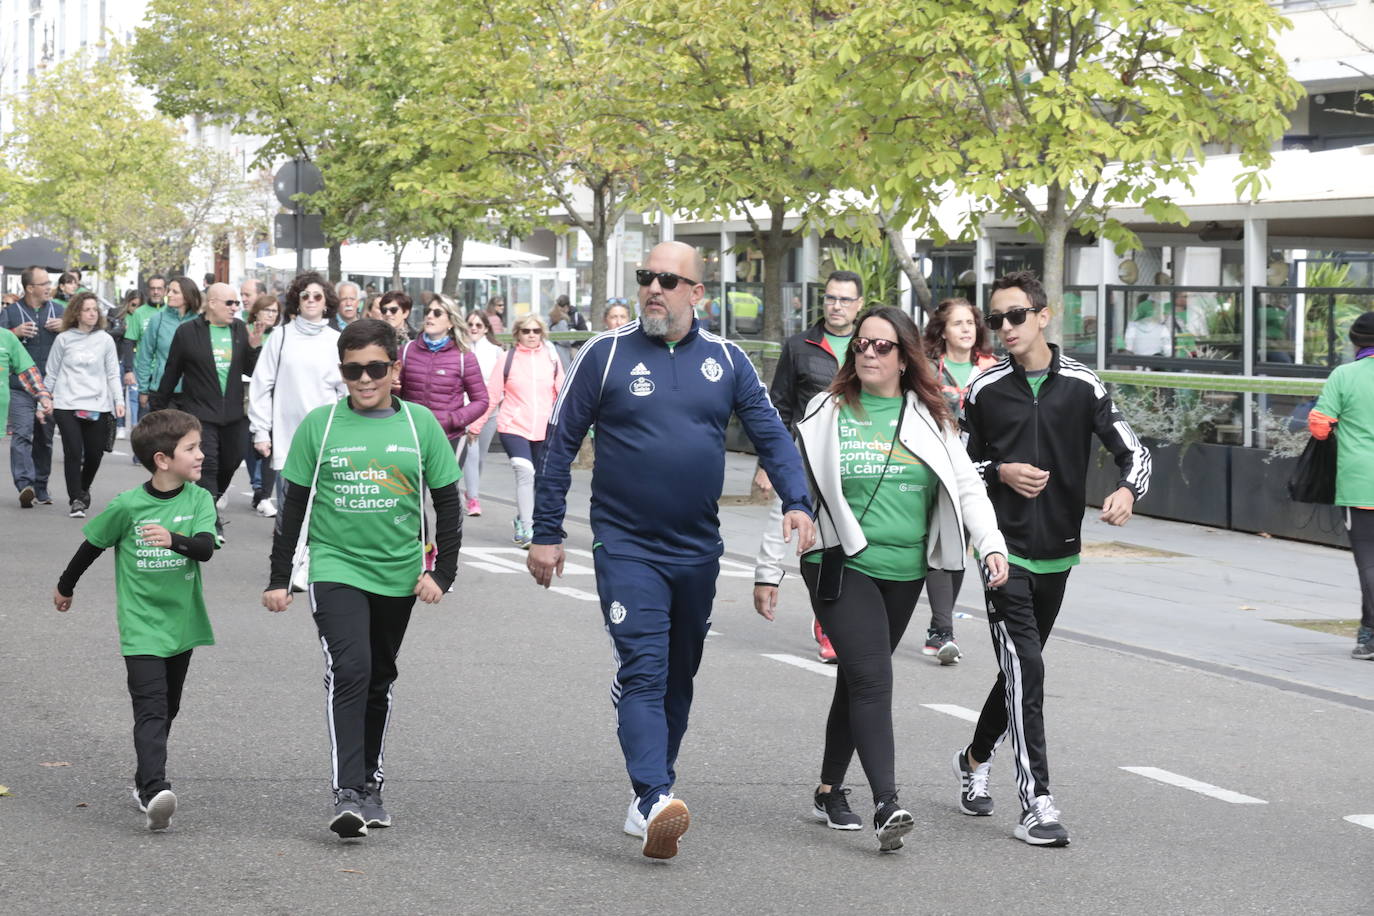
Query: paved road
(508, 791)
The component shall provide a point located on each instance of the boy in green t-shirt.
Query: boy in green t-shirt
(161, 533)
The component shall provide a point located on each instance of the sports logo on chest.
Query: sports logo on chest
(642, 387)
(712, 370)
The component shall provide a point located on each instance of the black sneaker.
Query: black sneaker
(891, 822)
(932, 642)
(26, 498)
(973, 785)
(372, 809)
(348, 821)
(1040, 824)
(946, 649)
(76, 510)
(1364, 644)
(833, 808)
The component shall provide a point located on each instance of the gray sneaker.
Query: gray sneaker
(371, 806)
(1364, 644)
(160, 809)
(973, 785)
(348, 821)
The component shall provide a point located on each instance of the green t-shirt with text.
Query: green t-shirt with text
(897, 520)
(222, 346)
(840, 347)
(365, 520)
(14, 359)
(158, 599)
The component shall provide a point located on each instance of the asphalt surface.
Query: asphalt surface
(508, 791)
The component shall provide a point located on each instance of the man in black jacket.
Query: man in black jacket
(1030, 421)
(806, 367)
(209, 358)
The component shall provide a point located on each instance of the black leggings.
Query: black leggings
(864, 624)
(1360, 523)
(222, 444)
(83, 448)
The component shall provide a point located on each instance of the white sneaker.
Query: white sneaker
(160, 810)
(668, 820)
(222, 502)
(121, 433)
(634, 821)
(267, 508)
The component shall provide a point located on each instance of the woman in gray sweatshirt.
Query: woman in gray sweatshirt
(83, 376)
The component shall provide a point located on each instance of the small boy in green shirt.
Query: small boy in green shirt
(161, 533)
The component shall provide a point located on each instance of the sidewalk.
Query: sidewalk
(1211, 598)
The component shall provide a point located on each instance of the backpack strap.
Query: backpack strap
(510, 360)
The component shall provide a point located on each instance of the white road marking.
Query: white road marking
(1192, 785)
(808, 664)
(573, 593)
(958, 712)
(712, 633)
(487, 567)
(1361, 820)
(512, 559)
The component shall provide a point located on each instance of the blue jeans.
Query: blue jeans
(31, 447)
(657, 617)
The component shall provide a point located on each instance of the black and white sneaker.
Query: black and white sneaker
(891, 822)
(1040, 824)
(348, 821)
(973, 785)
(1364, 645)
(75, 509)
(833, 808)
(159, 809)
(373, 813)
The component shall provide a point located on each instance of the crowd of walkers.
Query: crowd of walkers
(900, 458)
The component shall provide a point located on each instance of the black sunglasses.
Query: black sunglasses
(1017, 317)
(437, 313)
(354, 371)
(665, 279)
(312, 297)
(232, 303)
(880, 346)
(389, 309)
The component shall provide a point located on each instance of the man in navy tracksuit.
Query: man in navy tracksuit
(660, 391)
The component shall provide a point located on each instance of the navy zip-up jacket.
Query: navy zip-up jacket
(660, 416)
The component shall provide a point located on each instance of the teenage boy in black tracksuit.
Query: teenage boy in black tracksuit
(1030, 421)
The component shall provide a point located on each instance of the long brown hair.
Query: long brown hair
(935, 330)
(71, 318)
(918, 376)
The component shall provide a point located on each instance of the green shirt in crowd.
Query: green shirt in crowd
(138, 320)
(839, 346)
(898, 518)
(960, 372)
(222, 346)
(1348, 398)
(158, 598)
(14, 359)
(365, 520)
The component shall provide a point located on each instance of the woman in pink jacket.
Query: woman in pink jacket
(524, 386)
(439, 371)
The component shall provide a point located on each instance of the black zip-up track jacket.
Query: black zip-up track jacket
(1007, 423)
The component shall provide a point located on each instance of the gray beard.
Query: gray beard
(656, 326)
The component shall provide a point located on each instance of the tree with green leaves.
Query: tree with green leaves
(102, 172)
(730, 90)
(1050, 113)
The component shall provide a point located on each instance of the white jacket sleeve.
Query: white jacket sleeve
(113, 378)
(979, 517)
(260, 389)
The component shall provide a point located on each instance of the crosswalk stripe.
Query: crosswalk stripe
(806, 663)
(1361, 820)
(1193, 785)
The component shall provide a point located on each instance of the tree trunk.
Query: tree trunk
(336, 262)
(774, 245)
(909, 266)
(602, 228)
(455, 263)
(1056, 231)
(397, 249)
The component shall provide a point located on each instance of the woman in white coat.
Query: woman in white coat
(489, 353)
(895, 491)
(298, 369)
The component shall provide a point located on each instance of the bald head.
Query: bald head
(667, 312)
(217, 307)
(684, 259)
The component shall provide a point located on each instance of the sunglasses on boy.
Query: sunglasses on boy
(880, 346)
(665, 279)
(1017, 317)
(375, 370)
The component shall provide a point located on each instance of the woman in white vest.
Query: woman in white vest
(895, 491)
(298, 369)
(489, 353)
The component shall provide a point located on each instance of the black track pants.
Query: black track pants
(155, 688)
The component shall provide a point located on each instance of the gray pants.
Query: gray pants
(942, 590)
(477, 458)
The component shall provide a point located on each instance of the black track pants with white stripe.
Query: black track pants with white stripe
(361, 635)
(1020, 615)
